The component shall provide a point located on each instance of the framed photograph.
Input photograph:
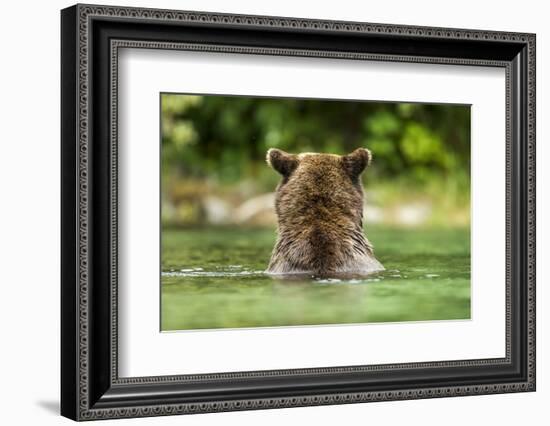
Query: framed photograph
(263, 212)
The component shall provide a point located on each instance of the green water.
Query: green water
(212, 278)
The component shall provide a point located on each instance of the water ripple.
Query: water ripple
(232, 271)
(228, 271)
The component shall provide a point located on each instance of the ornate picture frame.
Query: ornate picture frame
(91, 37)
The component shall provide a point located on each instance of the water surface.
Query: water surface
(213, 278)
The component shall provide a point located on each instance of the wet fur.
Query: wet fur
(319, 206)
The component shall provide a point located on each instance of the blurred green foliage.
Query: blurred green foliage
(214, 147)
(225, 138)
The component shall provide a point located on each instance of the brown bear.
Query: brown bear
(319, 206)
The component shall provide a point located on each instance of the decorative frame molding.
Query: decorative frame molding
(91, 388)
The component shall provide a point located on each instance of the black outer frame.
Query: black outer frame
(90, 387)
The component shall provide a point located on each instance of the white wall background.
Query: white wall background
(29, 212)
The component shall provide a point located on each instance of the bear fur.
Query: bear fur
(319, 206)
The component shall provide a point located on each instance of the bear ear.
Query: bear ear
(356, 162)
(281, 161)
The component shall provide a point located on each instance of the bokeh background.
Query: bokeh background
(219, 225)
(214, 170)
